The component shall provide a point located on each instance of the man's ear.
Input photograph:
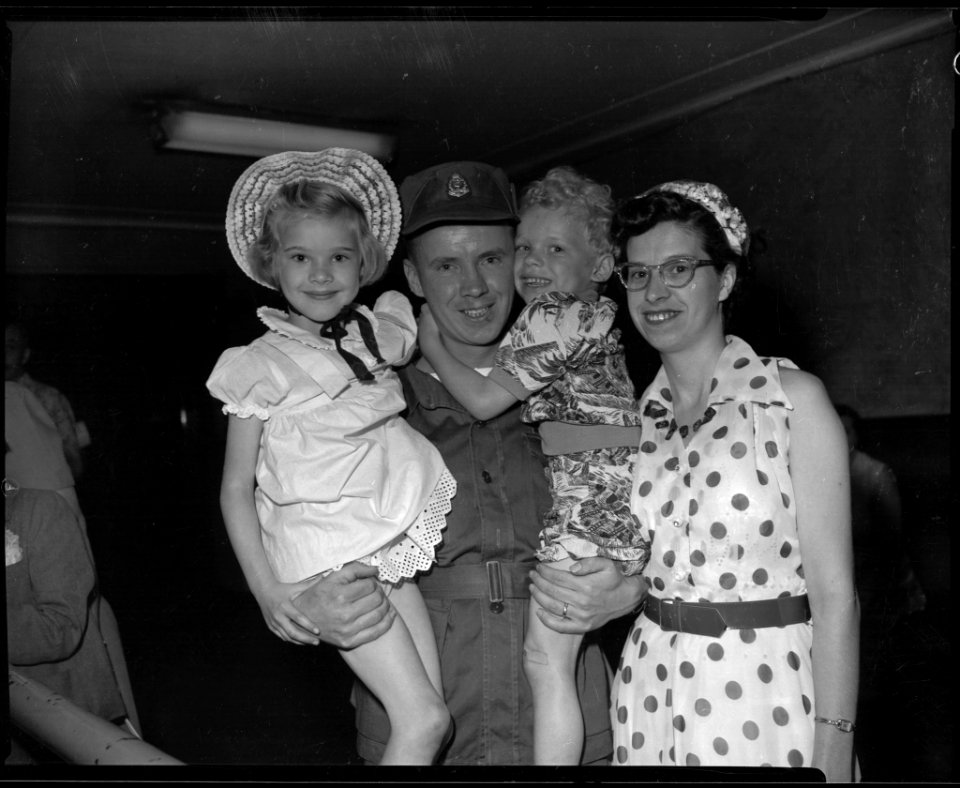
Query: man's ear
(413, 277)
(603, 268)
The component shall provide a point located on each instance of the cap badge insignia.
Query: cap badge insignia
(457, 186)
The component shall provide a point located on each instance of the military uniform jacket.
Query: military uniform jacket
(488, 550)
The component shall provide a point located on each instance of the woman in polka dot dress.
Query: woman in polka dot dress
(746, 653)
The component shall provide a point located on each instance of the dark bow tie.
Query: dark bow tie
(336, 329)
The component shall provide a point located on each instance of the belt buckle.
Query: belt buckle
(699, 620)
(495, 586)
(670, 615)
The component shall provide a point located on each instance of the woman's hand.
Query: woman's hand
(593, 592)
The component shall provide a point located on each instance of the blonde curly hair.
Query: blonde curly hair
(566, 189)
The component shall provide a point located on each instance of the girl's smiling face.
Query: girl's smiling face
(317, 267)
(671, 318)
(553, 254)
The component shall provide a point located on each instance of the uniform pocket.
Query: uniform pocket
(439, 612)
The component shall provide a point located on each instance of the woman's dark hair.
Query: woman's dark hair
(638, 215)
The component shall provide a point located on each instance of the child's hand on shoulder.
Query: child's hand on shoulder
(428, 333)
(282, 616)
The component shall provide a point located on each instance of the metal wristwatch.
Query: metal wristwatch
(842, 725)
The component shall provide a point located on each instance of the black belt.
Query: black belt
(708, 618)
(492, 580)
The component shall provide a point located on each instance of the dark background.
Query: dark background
(845, 167)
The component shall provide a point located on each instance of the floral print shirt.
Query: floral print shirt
(564, 358)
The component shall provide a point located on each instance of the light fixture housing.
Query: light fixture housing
(187, 128)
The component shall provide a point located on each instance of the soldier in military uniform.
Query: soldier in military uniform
(459, 221)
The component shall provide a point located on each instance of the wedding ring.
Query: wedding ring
(564, 613)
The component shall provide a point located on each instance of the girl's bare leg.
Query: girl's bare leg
(402, 669)
(550, 660)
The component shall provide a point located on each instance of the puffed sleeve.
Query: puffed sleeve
(396, 327)
(48, 623)
(246, 381)
(552, 334)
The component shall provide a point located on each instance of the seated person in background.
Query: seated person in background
(875, 502)
(55, 613)
(886, 583)
(35, 456)
(53, 401)
(53, 619)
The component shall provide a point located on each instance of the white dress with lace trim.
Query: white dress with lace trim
(340, 475)
(415, 550)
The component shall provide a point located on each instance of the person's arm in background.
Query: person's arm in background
(71, 442)
(49, 627)
(820, 471)
(58, 406)
(888, 510)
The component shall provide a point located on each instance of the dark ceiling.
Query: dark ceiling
(522, 92)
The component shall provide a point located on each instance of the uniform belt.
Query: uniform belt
(706, 618)
(492, 580)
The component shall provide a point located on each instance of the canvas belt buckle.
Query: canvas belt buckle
(495, 586)
(697, 619)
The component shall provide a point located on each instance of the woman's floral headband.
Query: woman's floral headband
(707, 195)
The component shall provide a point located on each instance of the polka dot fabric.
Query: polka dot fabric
(718, 504)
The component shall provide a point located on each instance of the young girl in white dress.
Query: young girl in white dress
(320, 469)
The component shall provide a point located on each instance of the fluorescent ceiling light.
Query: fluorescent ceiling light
(248, 136)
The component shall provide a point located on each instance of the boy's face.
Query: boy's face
(554, 255)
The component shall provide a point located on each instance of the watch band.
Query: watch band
(840, 724)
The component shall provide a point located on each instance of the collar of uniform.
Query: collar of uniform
(424, 391)
(278, 321)
(740, 376)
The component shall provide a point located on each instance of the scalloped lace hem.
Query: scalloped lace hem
(415, 550)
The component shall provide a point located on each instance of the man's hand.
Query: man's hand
(593, 591)
(348, 606)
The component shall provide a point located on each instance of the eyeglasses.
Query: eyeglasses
(676, 272)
